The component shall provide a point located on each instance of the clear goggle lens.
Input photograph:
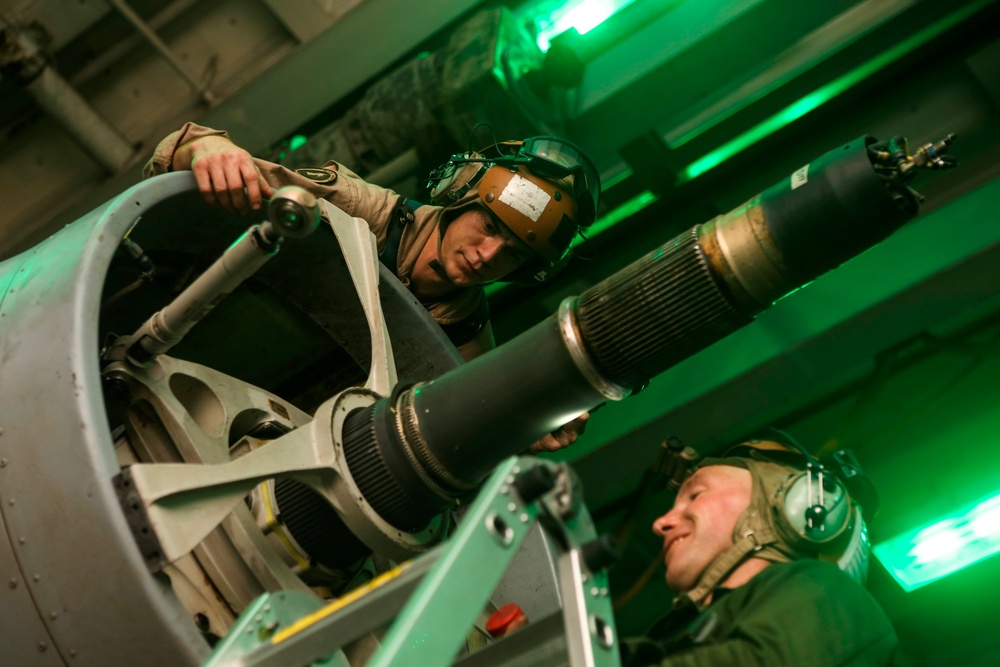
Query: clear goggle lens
(550, 157)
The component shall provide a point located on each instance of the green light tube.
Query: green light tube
(950, 544)
(584, 15)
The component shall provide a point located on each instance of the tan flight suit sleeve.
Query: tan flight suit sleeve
(348, 191)
(340, 186)
(162, 160)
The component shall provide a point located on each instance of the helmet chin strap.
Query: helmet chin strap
(752, 542)
(754, 536)
(438, 269)
(435, 263)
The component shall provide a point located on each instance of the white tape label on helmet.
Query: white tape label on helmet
(800, 177)
(525, 197)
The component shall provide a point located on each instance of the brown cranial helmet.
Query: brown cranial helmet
(543, 189)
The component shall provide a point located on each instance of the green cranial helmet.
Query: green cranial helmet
(799, 508)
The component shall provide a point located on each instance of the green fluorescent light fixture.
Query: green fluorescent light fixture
(948, 545)
(297, 142)
(584, 15)
(824, 94)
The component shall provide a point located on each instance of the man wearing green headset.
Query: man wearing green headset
(510, 211)
(766, 552)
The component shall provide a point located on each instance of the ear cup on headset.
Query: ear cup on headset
(788, 476)
(812, 511)
(812, 506)
(454, 178)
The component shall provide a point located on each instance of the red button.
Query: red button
(505, 619)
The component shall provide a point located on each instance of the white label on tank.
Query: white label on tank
(525, 197)
(801, 177)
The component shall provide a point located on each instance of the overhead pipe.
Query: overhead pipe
(23, 59)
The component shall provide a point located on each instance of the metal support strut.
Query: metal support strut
(433, 601)
(292, 212)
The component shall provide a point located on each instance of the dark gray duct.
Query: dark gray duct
(413, 453)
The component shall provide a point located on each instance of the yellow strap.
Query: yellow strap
(339, 603)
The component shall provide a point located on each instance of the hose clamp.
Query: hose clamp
(571, 335)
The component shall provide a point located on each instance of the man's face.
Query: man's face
(477, 248)
(700, 525)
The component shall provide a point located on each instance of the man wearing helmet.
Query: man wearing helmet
(765, 551)
(513, 214)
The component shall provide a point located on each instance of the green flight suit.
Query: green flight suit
(806, 613)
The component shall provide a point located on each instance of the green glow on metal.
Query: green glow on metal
(584, 15)
(950, 544)
(619, 213)
(609, 182)
(297, 142)
(824, 94)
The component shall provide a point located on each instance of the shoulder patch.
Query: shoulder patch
(318, 174)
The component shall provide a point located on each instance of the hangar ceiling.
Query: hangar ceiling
(689, 108)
